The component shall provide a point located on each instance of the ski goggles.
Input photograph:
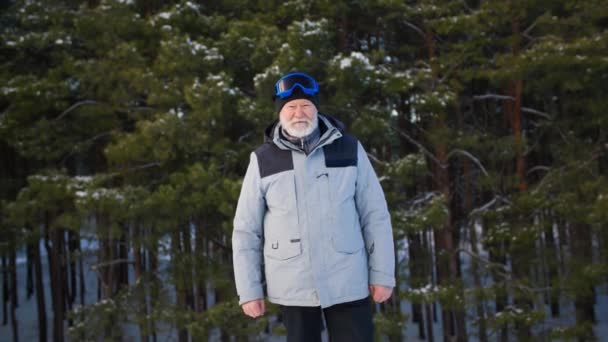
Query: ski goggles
(286, 85)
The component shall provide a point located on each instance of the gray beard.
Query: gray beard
(301, 133)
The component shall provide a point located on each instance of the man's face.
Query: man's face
(299, 117)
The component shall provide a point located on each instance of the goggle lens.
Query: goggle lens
(286, 85)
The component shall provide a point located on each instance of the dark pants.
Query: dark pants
(346, 322)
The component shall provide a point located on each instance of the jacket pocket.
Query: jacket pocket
(282, 248)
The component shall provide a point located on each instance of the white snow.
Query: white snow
(308, 28)
(177, 112)
(165, 15)
(346, 62)
(271, 71)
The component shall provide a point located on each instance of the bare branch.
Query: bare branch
(538, 168)
(244, 136)
(537, 112)
(75, 147)
(422, 148)
(466, 6)
(489, 204)
(74, 106)
(494, 97)
(531, 27)
(111, 263)
(470, 156)
(500, 267)
(415, 28)
(510, 98)
(144, 166)
(376, 159)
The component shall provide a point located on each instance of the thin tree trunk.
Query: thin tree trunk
(479, 299)
(429, 322)
(153, 262)
(14, 295)
(189, 272)
(73, 248)
(551, 256)
(30, 273)
(416, 274)
(139, 267)
(40, 300)
(200, 267)
(67, 289)
(584, 298)
(82, 287)
(5, 290)
(53, 248)
(179, 280)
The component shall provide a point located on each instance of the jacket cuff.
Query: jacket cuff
(251, 294)
(381, 278)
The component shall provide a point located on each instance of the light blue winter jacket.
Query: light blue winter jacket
(311, 230)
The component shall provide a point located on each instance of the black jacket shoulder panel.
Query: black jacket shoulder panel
(272, 160)
(342, 152)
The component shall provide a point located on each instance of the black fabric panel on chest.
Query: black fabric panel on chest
(341, 152)
(272, 160)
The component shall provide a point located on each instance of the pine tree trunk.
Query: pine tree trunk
(53, 248)
(153, 262)
(73, 248)
(30, 273)
(14, 291)
(496, 255)
(584, 299)
(67, 289)
(14, 295)
(551, 256)
(447, 266)
(200, 267)
(180, 292)
(479, 299)
(123, 255)
(429, 323)
(139, 268)
(5, 290)
(40, 297)
(189, 272)
(416, 274)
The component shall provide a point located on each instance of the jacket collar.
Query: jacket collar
(334, 129)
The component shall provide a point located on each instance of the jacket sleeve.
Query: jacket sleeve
(248, 236)
(375, 223)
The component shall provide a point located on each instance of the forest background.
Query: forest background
(126, 126)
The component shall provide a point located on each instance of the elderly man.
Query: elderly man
(312, 231)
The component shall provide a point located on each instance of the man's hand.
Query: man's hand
(380, 293)
(254, 308)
